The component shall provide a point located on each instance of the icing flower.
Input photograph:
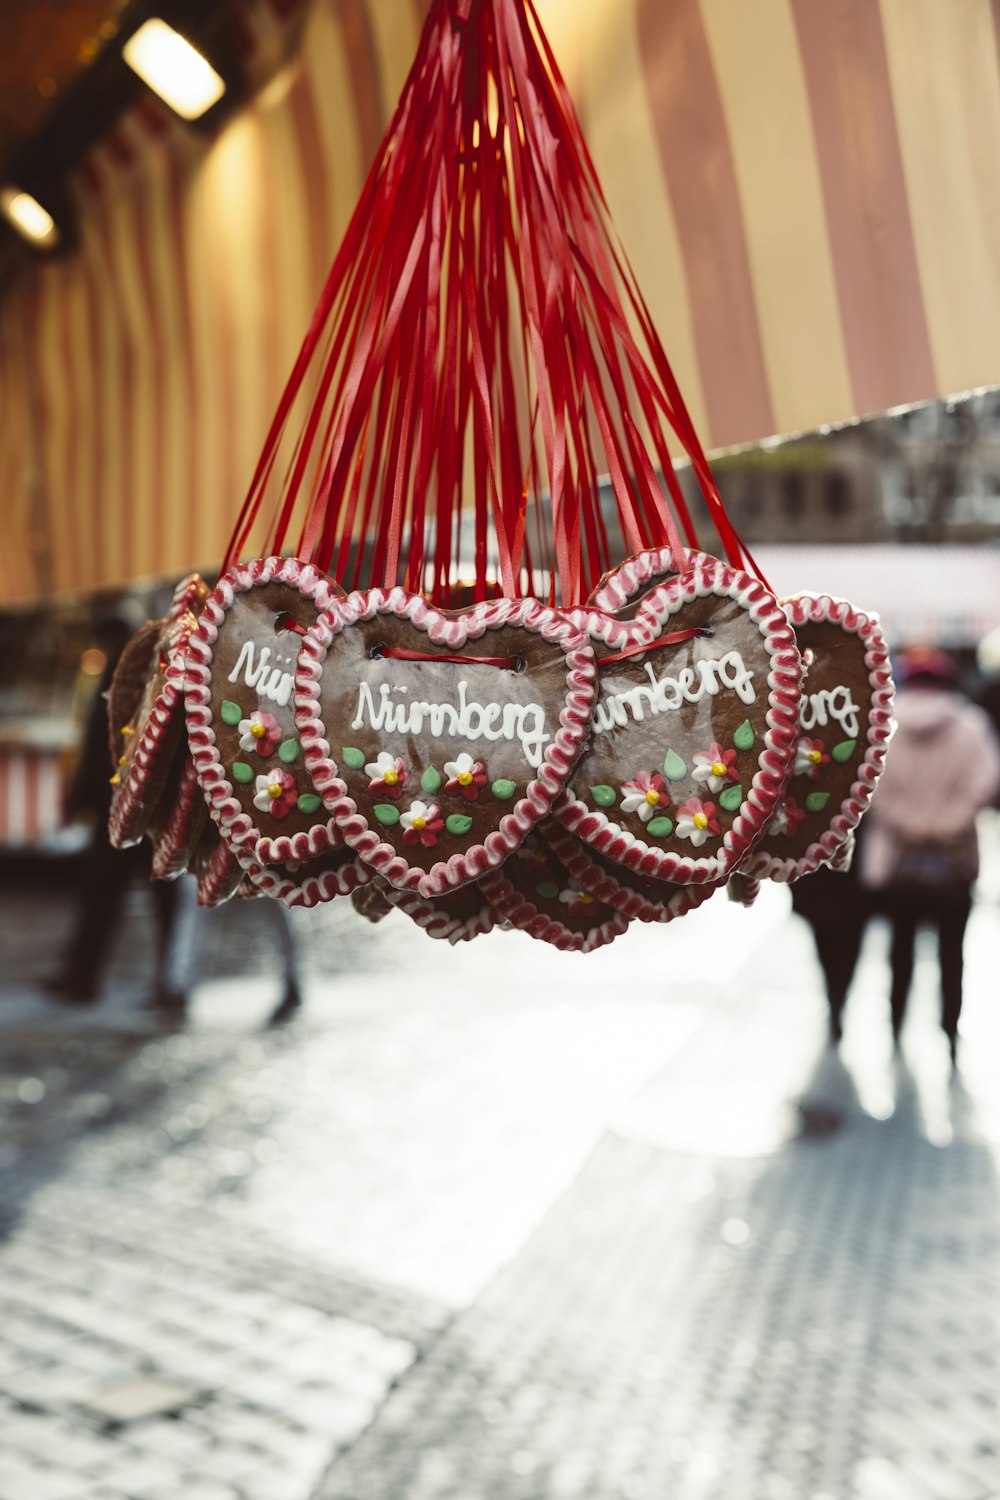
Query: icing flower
(261, 733)
(787, 818)
(645, 795)
(276, 792)
(696, 820)
(387, 775)
(465, 777)
(810, 758)
(576, 900)
(421, 824)
(715, 766)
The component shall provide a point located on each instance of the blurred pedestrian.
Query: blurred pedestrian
(920, 856)
(837, 909)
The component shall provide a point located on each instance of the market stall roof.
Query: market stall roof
(807, 191)
(939, 595)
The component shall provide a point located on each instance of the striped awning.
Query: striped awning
(807, 190)
(923, 594)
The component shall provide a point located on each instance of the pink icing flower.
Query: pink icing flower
(810, 758)
(696, 820)
(387, 775)
(260, 733)
(422, 824)
(276, 793)
(646, 795)
(787, 818)
(465, 777)
(715, 766)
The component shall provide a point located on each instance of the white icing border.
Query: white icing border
(176, 841)
(304, 888)
(237, 828)
(517, 908)
(441, 924)
(220, 877)
(620, 585)
(707, 577)
(831, 847)
(454, 631)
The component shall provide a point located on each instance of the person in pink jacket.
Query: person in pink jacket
(921, 854)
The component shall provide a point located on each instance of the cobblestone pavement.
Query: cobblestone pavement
(496, 1223)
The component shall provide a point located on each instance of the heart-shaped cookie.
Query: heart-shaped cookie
(438, 740)
(618, 592)
(180, 822)
(535, 893)
(337, 872)
(457, 916)
(144, 720)
(692, 738)
(217, 870)
(639, 897)
(240, 715)
(845, 723)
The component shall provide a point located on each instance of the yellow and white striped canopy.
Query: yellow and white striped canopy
(807, 189)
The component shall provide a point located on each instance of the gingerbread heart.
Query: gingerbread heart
(144, 720)
(240, 716)
(337, 872)
(618, 592)
(175, 836)
(457, 916)
(535, 893)
(438, 740)
(640, 897)
(845, 723)
(217, 870)
(692, 738)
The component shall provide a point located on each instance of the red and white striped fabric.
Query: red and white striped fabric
(807, 192)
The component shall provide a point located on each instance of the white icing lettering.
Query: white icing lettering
(830, 703)
(270, 682)
(662, 694)
(524, 722)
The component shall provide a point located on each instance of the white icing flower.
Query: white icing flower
(696, 820)
(420, 812)
(715, 766)
(646, 795)
(387, 774)
(259, 733)
(810, 758)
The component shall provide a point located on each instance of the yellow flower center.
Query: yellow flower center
(274, 789)
(419, 823)
(464, 778)
(390, 778)
(122, 759)
(584, 898)
(652, 797)
(116, 779)
(699, 820)
(127, 729)
(718, 768)
(258, 731)
(814, 756)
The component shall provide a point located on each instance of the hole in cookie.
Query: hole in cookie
(707, 630)
(286, 621)
(519, 664)
(376, 652)
(808, 656)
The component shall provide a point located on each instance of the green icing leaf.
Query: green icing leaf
(674, 768)
(503, 790)
(386, 813)
(352, 758)
(660, 828)
(731, 798)
(288, 751)
(458, 823)
(242, 772)
(744, 736)
(816, 801)
(844, 750)
(230, 712)
(308, 803)
(548, 889)
(604, 796)
(430, 781)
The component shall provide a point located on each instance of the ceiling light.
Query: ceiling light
(173, 69)
(29, 218)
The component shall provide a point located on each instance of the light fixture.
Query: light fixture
(32, 222)
(174, 69)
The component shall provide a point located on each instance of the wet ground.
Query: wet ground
(496, 1223)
